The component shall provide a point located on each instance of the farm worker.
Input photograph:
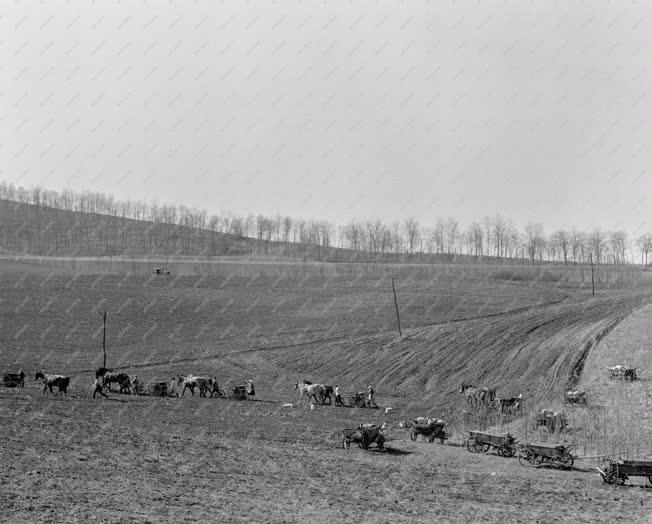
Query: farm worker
(338, 397)
(251, 391)
(136, 384)
(173, 388)
(370, 396)
(97, 388)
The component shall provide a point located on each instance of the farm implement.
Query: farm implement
(554, 456)
(617, 472)
(479, 442)
(363, 436)
(434, 430)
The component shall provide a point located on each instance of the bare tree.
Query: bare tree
(534, 239)
(412, 235)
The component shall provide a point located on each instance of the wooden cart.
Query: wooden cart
(363, 436)
(536, 455)
(479, 442)
(432, 431)
(617, 472)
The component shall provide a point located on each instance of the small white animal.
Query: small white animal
(387, 410)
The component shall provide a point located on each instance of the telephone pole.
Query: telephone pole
(104, 340)
(398, 318)
(592, 275)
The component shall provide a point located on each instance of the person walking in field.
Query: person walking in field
(172, 390)
(338, 397)
(370, 397)
(97, 388)
(251, 391)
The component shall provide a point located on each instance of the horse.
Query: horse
(191, 382)
(122, 379)
(53, 380)
(509, 405)
(553, 420)
(316, 391)
(475, 395)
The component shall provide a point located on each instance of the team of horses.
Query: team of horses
(486, 397)
(318, 392)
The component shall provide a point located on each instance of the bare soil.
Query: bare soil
(151, 459)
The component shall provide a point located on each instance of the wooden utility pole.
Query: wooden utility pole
(592, 275)
(104, 340)
(398, 318)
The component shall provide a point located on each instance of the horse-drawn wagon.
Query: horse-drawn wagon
(157, 389)
(624, 372)
(617, 472)
(536, 455)
(431, 431)
(14, 380)
(479, 442)
(239, 392)
(575, 397)
(363, 436)
(358, 400)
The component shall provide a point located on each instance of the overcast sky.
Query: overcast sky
(541, 111)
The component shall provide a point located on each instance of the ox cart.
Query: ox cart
(617, 472)
(14, 380)
(363, 436)
(536, 455)
(479, 442)
(434, 430)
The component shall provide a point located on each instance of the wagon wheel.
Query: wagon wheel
(508, 451)
(364, 442)
(470, 445)
(413, 434)
(610, 477)
(567, 459)
(525, 457)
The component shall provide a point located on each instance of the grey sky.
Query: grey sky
(538, 110)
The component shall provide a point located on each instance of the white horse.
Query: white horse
(315, 391)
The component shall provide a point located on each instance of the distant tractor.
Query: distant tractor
(161, 271)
